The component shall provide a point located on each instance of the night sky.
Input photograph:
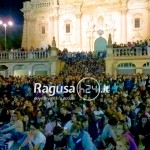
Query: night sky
(10, 9)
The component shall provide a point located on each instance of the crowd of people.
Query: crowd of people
(139, 43)
(82, 63)
(132, 48)
(31, 49)
(118, 119)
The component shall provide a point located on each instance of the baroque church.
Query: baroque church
(75, 23)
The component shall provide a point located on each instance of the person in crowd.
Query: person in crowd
(128, 99)
(143, 130)
(5, 116)
(92, 126)
(35, 139)
(14, 129)
(69, 124)
(108, 135)
(64, 115)
(15, 123)
(26, 123)
(80, 139)
(57, 140)
(125, 139)
(83, 119)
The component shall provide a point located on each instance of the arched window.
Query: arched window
(146, 65)
(20, 70)
(126, 65)
(3, 67)
(146, 68)
(126, 68)
(40, 70)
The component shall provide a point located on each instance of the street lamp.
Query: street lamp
(9, 23)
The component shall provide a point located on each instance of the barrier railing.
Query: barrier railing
(136, 51)
(24, 55)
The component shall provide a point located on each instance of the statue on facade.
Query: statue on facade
(109, 40)
(53, 42)
(54, 50)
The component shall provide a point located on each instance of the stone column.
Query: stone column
(28, 32)
(24, 35)
(149, 20)
(56, 30)
(109, 65)
(37, 34)
(53, 68)
(124, 21)
(78, 29)
(33, 36)
(51, 28)
(123, 27)
(11, 70)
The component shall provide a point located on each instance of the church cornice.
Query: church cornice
(111, 7)
(70, 9)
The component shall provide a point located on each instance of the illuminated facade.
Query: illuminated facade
(74, 23)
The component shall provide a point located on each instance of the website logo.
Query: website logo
(88, 88)
(52, 90)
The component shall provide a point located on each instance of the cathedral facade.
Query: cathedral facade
(75, 23)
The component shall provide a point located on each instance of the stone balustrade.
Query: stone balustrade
(24, 55)
(41, 5)
(123, 52)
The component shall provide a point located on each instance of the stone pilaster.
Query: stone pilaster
(28, 32)
(33, 36)
(51, 27)
(78, 29)
(24, 35)
(124, 21)
(54, 68)
(149, 20)
(11, 69)
(56, 29)
(124, 27)
(56, 24)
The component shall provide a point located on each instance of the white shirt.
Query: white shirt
(39, 138)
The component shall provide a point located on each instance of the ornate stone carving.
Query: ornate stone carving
(109, 40)
(53, 42)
